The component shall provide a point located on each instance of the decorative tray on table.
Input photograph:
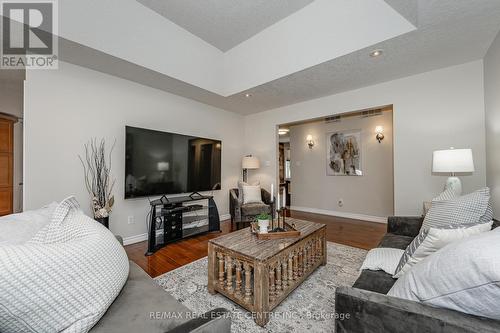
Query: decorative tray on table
(288, 231)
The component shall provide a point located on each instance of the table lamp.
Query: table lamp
(249, 162)
(453, 161)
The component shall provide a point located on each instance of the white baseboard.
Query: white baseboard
(135, 239)
(355, 216)
(143, 237)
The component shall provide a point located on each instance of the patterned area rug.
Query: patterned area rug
(309, 308)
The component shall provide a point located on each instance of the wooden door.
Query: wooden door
(6, 165)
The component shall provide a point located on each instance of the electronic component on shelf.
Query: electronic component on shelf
(194, 207)
(176, 218)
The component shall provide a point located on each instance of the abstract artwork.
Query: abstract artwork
(344, 153)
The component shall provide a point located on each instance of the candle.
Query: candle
(272, 192)
(284, 198)
(278, 201)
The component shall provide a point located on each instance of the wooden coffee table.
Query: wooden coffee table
(259, 274)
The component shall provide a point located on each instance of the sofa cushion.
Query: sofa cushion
(142, 306)
(380, 281)
(383, 259)
(395, 241)
(252, 194)
(448, 194)
(433, 239)
(463, 276)
(467, 209)
(377, 281)
(254, 209)
(241, 193)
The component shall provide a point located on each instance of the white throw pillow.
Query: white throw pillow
(20, 228)
(385, 259)
(429, 241)
(464, 276)
(251, 194)
(240, 189)
(62, 280)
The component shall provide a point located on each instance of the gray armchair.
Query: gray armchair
(243, 214)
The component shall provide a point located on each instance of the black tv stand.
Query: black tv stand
(173, 219)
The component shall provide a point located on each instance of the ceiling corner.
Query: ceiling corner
(407, 8)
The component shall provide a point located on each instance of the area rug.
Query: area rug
(309, 308)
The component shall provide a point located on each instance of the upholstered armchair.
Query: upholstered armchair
(243, 214)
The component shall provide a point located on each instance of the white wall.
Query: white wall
(492, 107)
(433, 110)
(11, 102)
(65, 108)
(370, 197)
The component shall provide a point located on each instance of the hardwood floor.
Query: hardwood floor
(361, 234)
(355, 233)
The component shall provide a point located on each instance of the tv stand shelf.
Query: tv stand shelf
(172, 219)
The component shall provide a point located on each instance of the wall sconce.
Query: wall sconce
(380, 135)
(310, 141)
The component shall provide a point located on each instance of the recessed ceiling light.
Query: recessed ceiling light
(283, 131)
(376, 53)
(248, 95)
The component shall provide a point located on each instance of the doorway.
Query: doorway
(341, 165)
(284, 163)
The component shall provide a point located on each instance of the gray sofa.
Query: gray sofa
(144, 307)
(370, 310)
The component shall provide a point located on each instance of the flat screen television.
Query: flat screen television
(158, 163)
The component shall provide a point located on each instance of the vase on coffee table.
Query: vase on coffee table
(263, 222)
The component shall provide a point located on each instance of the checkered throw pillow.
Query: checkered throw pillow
(448, 194)
(467, 209)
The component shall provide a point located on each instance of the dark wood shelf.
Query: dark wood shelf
(171, 219)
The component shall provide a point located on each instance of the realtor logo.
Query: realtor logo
(29, 36)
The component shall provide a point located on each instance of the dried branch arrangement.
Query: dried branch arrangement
(97, 172)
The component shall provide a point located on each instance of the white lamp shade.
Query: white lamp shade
(452, 161)
(163, 166)
(250, 162)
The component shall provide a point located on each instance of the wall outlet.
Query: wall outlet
(340, 202)
(131, 219)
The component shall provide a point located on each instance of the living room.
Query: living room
(158, 113)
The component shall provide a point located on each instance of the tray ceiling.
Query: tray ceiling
(225, 23)
(284, 63)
